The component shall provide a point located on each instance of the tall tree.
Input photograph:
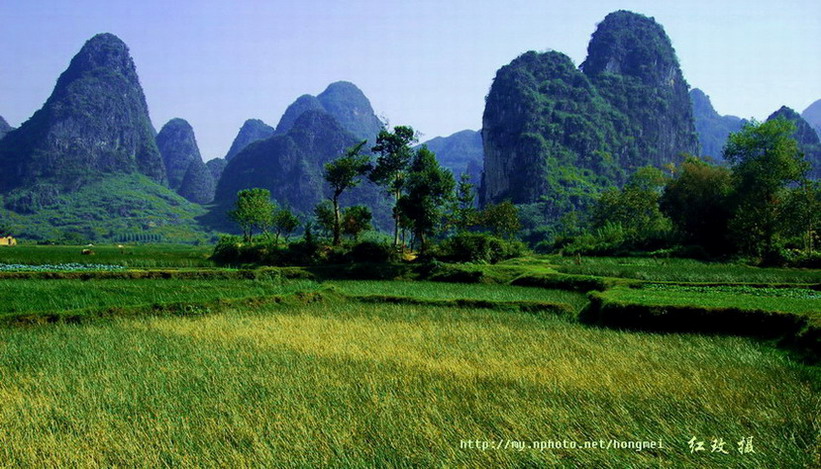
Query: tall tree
(697, 201)
(285, 222)
(464, 207)
(344, 173)
(429, 186)
(355, 220)
(252, 209)
(765, 159)
(394, 155)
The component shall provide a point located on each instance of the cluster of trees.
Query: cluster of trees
(428, 202)
(756, 207)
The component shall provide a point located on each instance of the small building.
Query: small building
(7, 241)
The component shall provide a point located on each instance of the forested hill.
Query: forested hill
(555, 133)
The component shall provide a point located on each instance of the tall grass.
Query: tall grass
(53, 296)
(440, 290)
(390, 386)
(135, 256)
(682, 270)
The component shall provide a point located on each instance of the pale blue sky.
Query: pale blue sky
(428, 64)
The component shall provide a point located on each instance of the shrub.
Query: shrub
(477, 247)
(371, 251)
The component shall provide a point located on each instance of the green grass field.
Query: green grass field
(133, 256)
(56, 296)
(434, 290)
(352, 377)
(679, 270)
(390, 386)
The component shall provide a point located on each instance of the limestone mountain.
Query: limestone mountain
(712, 128)
(197, 184)
(304, 103)
(813, 116)
(216, 166)
(291, 167)
(808, 141)
(345, 102)
(178, 147)
(251, 131)
(632, 63)
(559, 134)
(460, 152)
(4, 127)
(95, 122)
(184, 167)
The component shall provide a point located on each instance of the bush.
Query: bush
(477, 247)
(371, 251)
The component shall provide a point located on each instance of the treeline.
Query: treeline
(762, 207)
(434, 216)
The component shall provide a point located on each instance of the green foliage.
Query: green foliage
(764, 160)
(373, 252)
(112, 208)
(324, 215)
(356, 220)
(501, 219)
(429, 187)
(394, 154)
(342, 174)
(477, 247)
(253, 209)
(284, 223)
(698, 203)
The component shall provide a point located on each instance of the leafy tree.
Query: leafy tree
(764, 159)
(342, 174)
(801, 216)
(429, 187)
(356, 220)
(285, 222)
(501, 219)
(253, 209)
(324, 213)
(394, 155)
(635, 208)
(697, 202)
(464, 213)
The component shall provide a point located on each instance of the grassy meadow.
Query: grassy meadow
(394, 373)
(391, 386)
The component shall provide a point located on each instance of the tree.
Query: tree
(356, 220)
(253, 209)
(501, 219)
(764, 159)
(285, 223)
(635, 208)
(324, 213)
(429, 187)
(698, 203)
(342, 174)
(801, 216)
(464, 212)
(394, 154)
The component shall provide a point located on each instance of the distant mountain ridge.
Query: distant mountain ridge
(460, 152)
(186, 172)
(345, 102)
(813, 116)
(251, 131)
(713, 129)
(4, 127)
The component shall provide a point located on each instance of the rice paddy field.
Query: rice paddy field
(398, 373)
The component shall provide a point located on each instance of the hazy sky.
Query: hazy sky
(428, 64)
